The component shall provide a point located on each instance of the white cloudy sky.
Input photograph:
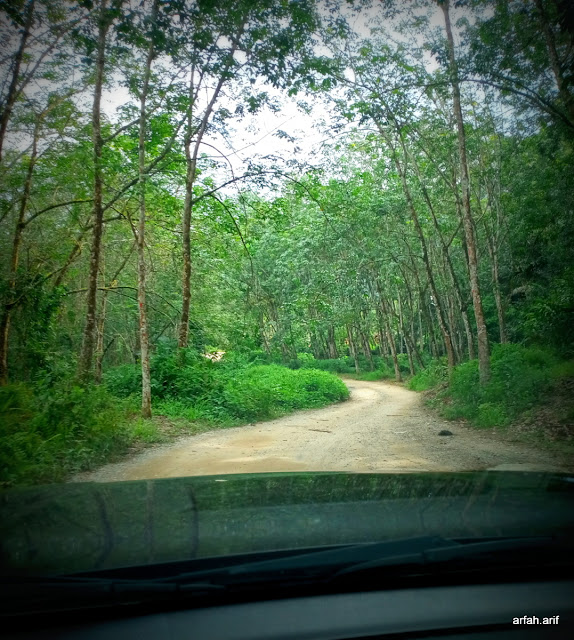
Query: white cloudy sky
(255, 136)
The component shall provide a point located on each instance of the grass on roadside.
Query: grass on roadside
(525, 396)
(54, 429)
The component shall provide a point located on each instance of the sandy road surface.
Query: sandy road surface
(382, 428)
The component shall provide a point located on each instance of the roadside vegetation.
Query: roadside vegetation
(55, 427)
(147, 220)
(529, 394)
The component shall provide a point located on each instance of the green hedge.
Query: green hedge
(50, 431)
(230, 391)
(520, 376)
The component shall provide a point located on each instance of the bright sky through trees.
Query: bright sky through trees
(386, 182)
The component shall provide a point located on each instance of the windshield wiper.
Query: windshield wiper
(349, 559)
(344, 564)
(41, 593)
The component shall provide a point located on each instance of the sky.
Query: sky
(256, 136)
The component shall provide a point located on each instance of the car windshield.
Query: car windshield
(283, 275)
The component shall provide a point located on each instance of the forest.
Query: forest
(156, 281)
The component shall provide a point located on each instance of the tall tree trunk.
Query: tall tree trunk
(332, 345)
(6, 311)
(565, 95)
(85, 363)
(143, 321)
(405, 338)
(384, 317)
(191, 171)
(467, 220)
(100, 328)
(262, 332)
(411, 337)
(439, 308)
(448, 260)
(191, 166)
(353, 348)
(74, 253)
(100, 349)
(13, 90)
(393, 348)
(401, 169)
(498, 298)
(367, 349)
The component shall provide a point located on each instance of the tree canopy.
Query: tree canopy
(434, 221)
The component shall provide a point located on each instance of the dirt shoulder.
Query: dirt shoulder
(383, 427)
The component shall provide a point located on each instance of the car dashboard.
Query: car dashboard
(470, 612)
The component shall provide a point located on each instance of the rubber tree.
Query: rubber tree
(467, 216)
(104, 16)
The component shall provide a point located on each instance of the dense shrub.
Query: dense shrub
(336, 365)
(230, 391)
(48, 431)
(432, 375)
(185, 375)
(519, 377)
(379, 374)
(58, 427)
(268, 390)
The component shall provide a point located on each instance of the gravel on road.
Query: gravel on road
(382, 428)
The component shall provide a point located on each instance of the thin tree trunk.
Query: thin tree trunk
(565, 95)
(85, 363)
(493, 253)
(332, 345)
(13, 90)
(404, 334)
(100, 338)
(388, 333)
(191, 171)
(447, 258)
(100, 349)
(15, 259)
(191, 165)
(467, 220)
(411, 336)
(74, 253)
(143, 321)
(439, 309)
(498, 299)
(414, 215)
(393, 348)
(367, 350)
(353, 348)
(262, 333)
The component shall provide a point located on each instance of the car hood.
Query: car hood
(93, 526)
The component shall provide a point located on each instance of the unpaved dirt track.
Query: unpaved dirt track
(382, 428)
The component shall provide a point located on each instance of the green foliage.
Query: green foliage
(48, 432)
(382, 373)
(266, 391)
(231, 391)
(563, 369)
(432, 375)
(124, 380)
(145, 430)
(519, 378)
(336, 365)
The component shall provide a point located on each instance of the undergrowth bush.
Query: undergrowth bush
(58, 427)
(334, 365)
(266, 391)
(383, 367)
(519, 377)
(50, 430)
(432, 375)
(231, 391)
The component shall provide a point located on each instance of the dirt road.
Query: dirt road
(382, 428)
